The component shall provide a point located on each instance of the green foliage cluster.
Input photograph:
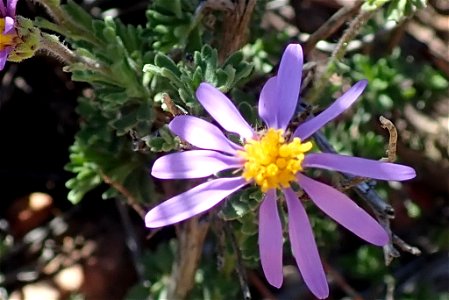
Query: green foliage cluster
(209, 283)
(394, 81)
(121, 102)
(396, 10)
(185, 77)
(174, 25)
(241, 210)
(127, 72)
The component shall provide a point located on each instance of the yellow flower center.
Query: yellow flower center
(6, 40)
(271, 162)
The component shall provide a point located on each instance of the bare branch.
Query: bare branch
(127, 194)
(191, 236)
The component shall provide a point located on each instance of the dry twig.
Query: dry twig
(392, 142)
(235, 28)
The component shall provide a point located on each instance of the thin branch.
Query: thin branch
(383, 211)
(51, 45)
(331, 25)
(338, 53)
(191, 236)
(257, 283)
(130, 199)
(363, 189)
(152, 233)
(404, 246)
(355, 44)
(171, 106)
(131, 239)
(341, 282)
(240, 267)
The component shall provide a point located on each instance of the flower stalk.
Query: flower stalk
(51, 45)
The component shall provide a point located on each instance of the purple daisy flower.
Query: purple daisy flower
(271, 159)
(7, 31)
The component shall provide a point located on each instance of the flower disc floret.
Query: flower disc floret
(6, 39)
(271, 162)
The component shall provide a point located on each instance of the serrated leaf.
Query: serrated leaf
(229, 212)
(230, 78)
(249, 225)
(163, 61)
(144, 113)
(197, 77)
(155, 144)
(125, 122)
(247, 112)
(117, 98)
(250, 248)
(171, 76)
(234, 59)
(243, 71)
(185, 96)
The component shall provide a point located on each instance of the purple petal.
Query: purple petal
(11, 7)
(270, 239)
(267, 103)
(3, 56)
(359, 166)
(288, 84)
(9, 25)
(223, 110)
(202, 134)
(309, 127)
(2, 9)
(193, 164)
(194, 201)
(304, 247)
(343, 210)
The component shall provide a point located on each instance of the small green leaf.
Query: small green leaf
(163, 61)
(78, 14)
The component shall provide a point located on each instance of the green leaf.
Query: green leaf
(174, 6)
(163, 61)
(125, 122)
(234, 59)
(78, 14)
